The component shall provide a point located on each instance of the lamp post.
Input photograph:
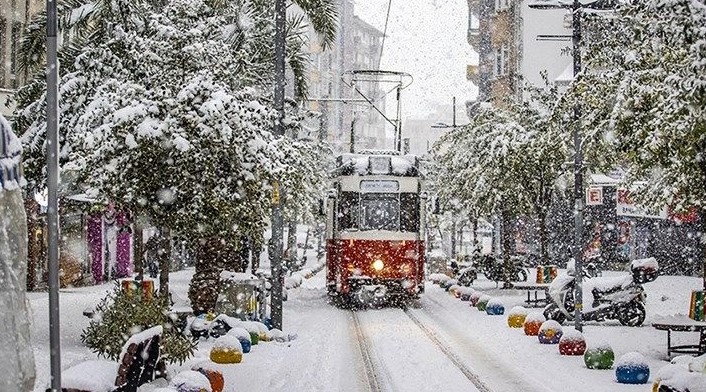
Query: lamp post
(575, 6)
(52, 193)
(277, 222)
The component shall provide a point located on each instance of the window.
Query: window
(348, 210)
(380, 211)
(501, 5)
(409, 212)
(502, 55)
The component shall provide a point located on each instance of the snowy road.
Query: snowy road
(402, 356)
(327, 356)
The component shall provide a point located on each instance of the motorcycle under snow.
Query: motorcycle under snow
(619, 298)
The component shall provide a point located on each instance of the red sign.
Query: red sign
(594, 196)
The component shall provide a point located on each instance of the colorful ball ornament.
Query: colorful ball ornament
(243, 337)
(495, 307)
(453, 290)
(599, 356)
(466, 294)
(572, 342)
(631, 368)
(214, 376)
(482, 302)
(550, 332)
(191, 381)
(533, 322)
(226, 350)
(475, 296)
(516, 317)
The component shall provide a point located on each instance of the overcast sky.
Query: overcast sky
(427, 39)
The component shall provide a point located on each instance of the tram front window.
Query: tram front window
(379, 212)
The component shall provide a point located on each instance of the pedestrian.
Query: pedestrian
(17, 360)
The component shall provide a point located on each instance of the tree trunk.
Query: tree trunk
(474, 226)
(165, 255)
(204, 287)
(34, 234)
(543, 236)
(138, 251)
(506, 241)
(291, 251)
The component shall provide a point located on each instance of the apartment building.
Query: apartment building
(14, 17)
(515, 44)
(342, 114)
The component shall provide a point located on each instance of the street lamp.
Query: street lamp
(575, 7)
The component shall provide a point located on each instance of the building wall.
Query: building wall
(14, 16)
(357, 46)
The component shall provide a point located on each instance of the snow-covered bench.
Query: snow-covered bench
(139, 363)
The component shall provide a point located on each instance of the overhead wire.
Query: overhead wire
(384, 33)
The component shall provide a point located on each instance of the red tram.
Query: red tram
(375, 228)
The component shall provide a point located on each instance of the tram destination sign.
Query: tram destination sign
(379, 186)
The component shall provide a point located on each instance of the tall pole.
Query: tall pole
(52, 191)
(277, 223)
(578, 172)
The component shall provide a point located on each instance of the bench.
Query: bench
(536, 301)
(682, 323)
(139, 363)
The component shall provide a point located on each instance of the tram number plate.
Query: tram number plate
(379, 186)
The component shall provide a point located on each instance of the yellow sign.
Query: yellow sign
(275, 193)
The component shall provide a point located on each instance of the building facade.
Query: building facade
(516, 45)
(343, 114)
(14, 17)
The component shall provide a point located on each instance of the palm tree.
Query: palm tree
(85, 21)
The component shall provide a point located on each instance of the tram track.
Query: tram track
(472, 376)
(379, 378)
(367, 355)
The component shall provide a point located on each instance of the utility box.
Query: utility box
(242, 296)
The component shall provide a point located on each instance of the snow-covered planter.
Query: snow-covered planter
(599, 356)
(516, 317)
(191, 381)
(550, 332)
(482, 303)
(533, 321)
(449, 283)
(243, 337)
(277, 335)
(495, 307)
(572, 342)
(631, 368)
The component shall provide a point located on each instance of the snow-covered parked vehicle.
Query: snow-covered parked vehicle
(619, 298)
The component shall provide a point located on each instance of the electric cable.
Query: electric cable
(384, 33)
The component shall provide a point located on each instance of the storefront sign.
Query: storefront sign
(594, 196)
(625, 207)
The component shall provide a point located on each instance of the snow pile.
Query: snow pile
(228, 343)
(230, 276)
(438, 278)
(93, 375)
(141, 337)
(293, 281)
(191, 381)
(648, 263)
(495, 302)
(550, 325)
(572, 335)
(517, 311)
(631, 359)
(599, 345)
(240, 333)
(535, 317)
(277, 335)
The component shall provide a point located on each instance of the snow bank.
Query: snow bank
(93, 375)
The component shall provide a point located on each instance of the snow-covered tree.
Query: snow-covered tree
(647, 93)
(506, 162)
(170, 116)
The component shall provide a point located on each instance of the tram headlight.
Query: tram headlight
(378, 265)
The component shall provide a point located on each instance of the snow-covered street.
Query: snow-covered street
(327, 355)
